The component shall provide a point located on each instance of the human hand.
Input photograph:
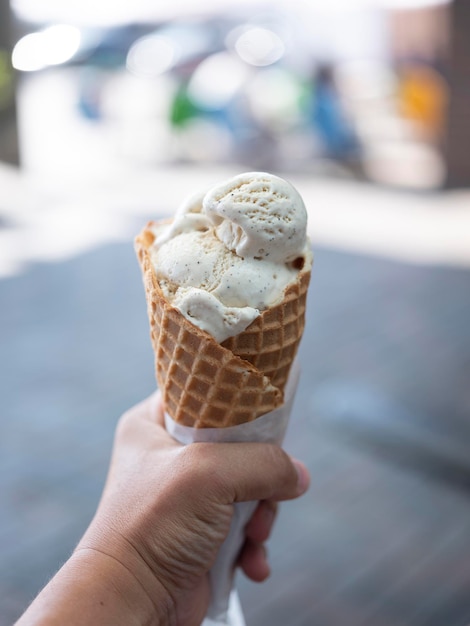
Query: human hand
(166, 509)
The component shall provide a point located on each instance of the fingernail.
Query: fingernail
(303, 480)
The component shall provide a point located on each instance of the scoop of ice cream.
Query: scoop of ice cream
(188, 218)
(258, 215)
(207, 312)
(221, 272)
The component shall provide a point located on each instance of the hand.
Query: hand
(166, 509)
(163, 515)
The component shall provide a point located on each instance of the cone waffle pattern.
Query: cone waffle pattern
(205, 384)
(270, 342)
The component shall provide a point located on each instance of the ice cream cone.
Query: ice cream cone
(270, 343)
(207, 384)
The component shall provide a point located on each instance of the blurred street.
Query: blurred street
(111, 114)
(381, 416)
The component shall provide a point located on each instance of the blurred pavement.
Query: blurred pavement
(382, 415)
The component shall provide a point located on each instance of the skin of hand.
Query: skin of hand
(165, 511)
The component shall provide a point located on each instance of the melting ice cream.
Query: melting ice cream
(231, 252)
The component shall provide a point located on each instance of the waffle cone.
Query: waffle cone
(271, 341)
(206, 384)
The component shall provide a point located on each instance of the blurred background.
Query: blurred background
(111, 113)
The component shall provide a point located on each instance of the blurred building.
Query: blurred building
(353, 89)
(457, 137)
(8, 122)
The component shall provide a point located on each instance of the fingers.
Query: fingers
(144, 424)
(253, 558)
(150, 409)
(254, 562)
(259, 526)
(242, 471)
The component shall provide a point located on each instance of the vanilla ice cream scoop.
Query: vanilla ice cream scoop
(258, 215)
(231, 252)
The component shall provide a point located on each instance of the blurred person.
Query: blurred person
(92, 82)
(208, 121)
(327, 116)
(182, 108)
(164, 513)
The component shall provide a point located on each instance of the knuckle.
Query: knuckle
(124, 424)
(274, 453)
(198, 466)
(279, 459)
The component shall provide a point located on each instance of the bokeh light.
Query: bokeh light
(151, 56)
(53, 45)
(216, 80)
(259, 46)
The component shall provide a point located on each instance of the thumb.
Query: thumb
(260, 471)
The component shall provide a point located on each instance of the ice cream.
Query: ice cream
(231, 252)
(226, 285)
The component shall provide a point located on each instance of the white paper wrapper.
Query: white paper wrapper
(269, 428)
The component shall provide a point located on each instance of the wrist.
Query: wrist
(139, 589)
(116, 590)
(95, 588)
